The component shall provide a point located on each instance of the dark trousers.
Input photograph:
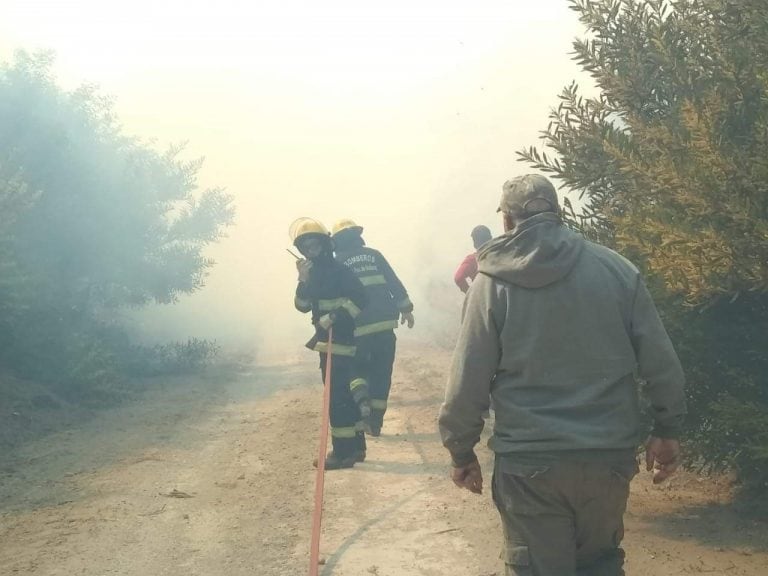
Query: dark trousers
(344, 412)
(563, 517)
(375, 358)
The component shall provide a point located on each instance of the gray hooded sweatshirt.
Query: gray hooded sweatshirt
(558, 331)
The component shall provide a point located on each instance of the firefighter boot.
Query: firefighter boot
(334, 462)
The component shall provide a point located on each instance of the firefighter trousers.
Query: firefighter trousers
(346, 438)
(375, 357)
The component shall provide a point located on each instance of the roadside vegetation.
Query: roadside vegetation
(670, 160)
(93, 223)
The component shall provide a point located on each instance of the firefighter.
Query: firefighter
(374, 332)
(335, 298)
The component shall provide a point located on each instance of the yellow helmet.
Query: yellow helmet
(303, 226)
(346, 224)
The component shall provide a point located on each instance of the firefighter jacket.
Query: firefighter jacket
(387, 296)
(332, 289)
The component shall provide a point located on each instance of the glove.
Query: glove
(325, 321)
(303, 266)
(407, 317)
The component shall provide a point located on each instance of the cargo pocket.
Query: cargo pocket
(517, 560)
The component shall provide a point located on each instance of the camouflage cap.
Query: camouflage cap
(520, 194)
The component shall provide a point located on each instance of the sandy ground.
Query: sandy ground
(215, 478)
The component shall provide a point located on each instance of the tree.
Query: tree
(92, 220)
(14, 199)
(671, 160)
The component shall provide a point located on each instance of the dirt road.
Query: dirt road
(216, 479)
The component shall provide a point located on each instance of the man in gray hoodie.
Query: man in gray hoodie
(561, 333)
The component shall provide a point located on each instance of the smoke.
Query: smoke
(405, 120)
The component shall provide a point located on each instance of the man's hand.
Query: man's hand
(469, 477)
(407, 317)
(325, 321)
(662, 455)
(303, 266)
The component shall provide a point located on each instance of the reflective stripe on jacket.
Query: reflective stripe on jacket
(387, 296)
(332, 289)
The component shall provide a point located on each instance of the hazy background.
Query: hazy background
(404, 116)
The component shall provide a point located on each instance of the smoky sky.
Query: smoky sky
(404, 117)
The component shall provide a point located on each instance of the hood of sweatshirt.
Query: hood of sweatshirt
(538, 252)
